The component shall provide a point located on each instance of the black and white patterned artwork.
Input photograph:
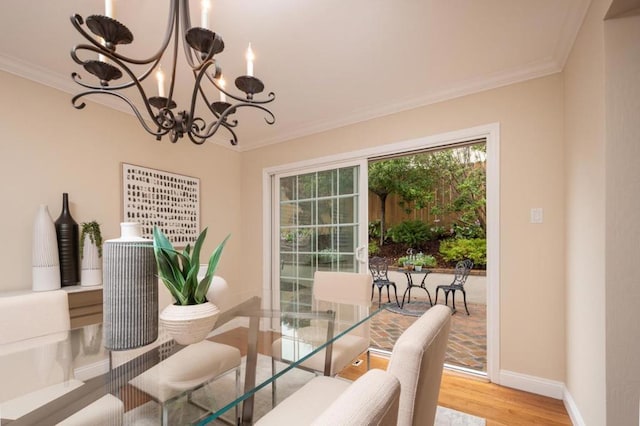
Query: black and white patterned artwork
(168, 200)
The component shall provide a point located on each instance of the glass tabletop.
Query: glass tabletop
(47, 379)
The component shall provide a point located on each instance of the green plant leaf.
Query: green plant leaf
(203, 286)
(179, 270)
(198, 246)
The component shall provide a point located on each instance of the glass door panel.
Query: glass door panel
(319, 229)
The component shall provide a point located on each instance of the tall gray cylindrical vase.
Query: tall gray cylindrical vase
(130, 289)
(45, 261)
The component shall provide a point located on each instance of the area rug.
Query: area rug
(413, 309)
(217, 394)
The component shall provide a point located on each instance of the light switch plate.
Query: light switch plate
(536, 215)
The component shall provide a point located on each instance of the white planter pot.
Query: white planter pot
(190, 323)
(91, 272)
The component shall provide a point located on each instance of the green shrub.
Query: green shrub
(464, 231)
(413, 233)
(374, 249)
(460, 249)
(374, 230)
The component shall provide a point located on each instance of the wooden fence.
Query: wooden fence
(396, 214)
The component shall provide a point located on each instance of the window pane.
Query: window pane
(306, 186)
(306, 213)
(347, 210)
(325, 212)
(348, 182)
(347, 238)
(327, 239)
(288, 214)
(327, 183)
(288, 188)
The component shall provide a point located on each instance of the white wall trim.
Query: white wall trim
(538, 69)
(491, 132)
(541, 68)
(572, 409)
(533, 384)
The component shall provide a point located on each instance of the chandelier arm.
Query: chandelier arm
(124, 98)
(271, 95)
(77, 21)
(76, 58)
(225, 124)
(270, 119)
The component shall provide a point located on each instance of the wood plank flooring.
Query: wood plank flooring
(497, 404)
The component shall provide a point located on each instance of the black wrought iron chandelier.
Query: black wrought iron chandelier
(200, 47)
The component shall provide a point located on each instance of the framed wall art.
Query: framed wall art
(157, 198)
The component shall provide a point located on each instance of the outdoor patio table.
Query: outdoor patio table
(409, 274)
(89, 372)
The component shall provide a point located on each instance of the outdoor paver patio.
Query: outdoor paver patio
(467, 341)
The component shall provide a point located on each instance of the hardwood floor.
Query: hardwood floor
(497, 404)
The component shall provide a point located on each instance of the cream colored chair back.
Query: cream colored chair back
(348, 288)
(417, 361)
(34, 314)
(370, 400)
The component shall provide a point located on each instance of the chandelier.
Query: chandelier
(158, 115)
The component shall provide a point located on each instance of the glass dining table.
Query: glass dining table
(62, 374)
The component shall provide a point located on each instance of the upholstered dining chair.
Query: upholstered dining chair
(416, 362)
(372, 399)
(35, 333)
(336, 287)
(463, 268)
(196, 365)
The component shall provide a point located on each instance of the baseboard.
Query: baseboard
(537, 385)
(572, 409)
(89, 371)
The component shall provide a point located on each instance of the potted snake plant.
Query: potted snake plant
(192, 316)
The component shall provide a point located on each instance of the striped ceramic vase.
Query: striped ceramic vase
(130, 289)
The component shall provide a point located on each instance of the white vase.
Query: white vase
(189, 323)
(45, 260)
(91, 272)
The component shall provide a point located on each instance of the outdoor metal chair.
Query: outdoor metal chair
(379, 268)
(462, 272)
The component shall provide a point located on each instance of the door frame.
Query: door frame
(491, 133)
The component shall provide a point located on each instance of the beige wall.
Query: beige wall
(585, 218)
(48, 148)
(532, 260)
(622, 68)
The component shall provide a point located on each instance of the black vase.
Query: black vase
(68, 245)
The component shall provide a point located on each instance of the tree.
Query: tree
(417, 178)
(462, 171)
(384, 179)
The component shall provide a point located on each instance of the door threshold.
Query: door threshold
(466, 372)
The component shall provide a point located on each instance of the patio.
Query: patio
(468, 339)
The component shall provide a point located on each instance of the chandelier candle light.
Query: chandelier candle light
(104, 34)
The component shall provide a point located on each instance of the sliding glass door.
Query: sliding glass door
(320, 225)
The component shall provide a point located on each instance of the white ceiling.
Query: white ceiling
(330, 62)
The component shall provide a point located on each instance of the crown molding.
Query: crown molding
(570, 29)
(533, 70)
(530, 71)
